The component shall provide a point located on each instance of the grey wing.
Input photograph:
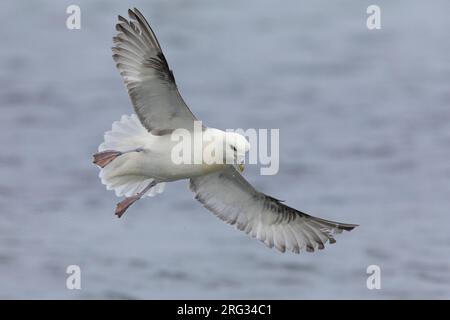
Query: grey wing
(150, 82)
(229, 196)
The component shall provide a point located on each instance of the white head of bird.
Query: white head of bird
(225, 147)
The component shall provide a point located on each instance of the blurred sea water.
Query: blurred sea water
(364, 119)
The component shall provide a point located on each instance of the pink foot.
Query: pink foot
(123, 205)
(105, 157)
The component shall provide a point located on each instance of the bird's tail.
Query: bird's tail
(125, 135)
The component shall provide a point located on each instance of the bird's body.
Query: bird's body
(141, 153)
(155, 157)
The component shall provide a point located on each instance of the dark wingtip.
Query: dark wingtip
(131, 13)
(349, 227)
(121, 18)
(120, 28)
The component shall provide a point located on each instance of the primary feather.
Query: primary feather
(147, 76)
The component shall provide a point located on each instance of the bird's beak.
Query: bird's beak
(241, 167)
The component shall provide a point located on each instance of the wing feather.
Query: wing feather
(147, 76)
(229, 196)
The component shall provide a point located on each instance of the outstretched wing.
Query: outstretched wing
(150, 82)
(229, 196)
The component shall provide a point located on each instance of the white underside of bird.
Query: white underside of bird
(129, 173)
(137, 158)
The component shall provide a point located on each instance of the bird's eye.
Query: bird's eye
(234, 148)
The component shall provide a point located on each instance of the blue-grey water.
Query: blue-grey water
(364, 119)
